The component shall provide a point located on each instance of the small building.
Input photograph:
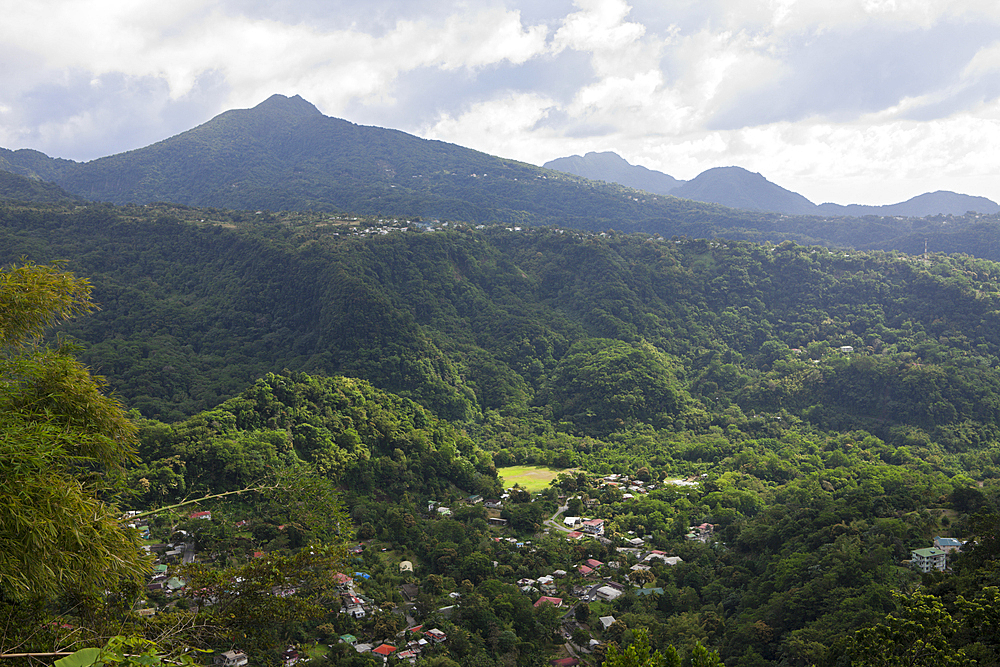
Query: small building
(385, 650)
(493, 504)
(572, 521)
(201, 515)
(608, 593)
(436, 636)
(929, 559)
(409, 591)
(349, 639)
(231, 659)
(606, 622)
(846, 349)
(555, 602)
(948, 544)
(496, 521)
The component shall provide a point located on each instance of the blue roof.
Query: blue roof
(947, 541)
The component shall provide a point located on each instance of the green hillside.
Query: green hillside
(768, 433)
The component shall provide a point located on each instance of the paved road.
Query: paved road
(558, 525)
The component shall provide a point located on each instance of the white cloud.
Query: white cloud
(818, 96)
(506, 125)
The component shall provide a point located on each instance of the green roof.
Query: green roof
(928, 552)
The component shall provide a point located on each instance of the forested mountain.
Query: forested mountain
(197, 303)
(613, 168)
(284, 155)
(827, 412)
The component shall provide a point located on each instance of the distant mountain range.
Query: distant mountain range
(285, 155)
(736, 187)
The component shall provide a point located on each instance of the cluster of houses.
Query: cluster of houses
(935, 558)
(410, 652)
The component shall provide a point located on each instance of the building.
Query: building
(594, 526)
(929, 559)
(948, 544)
(231, 659)
(555, 602)
(608, 593)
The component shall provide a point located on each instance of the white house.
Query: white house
(929, 559)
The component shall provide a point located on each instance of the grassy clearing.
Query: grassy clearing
(532, 478)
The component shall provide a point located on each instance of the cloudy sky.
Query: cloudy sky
(851, 101)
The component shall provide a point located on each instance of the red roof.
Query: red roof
(384, 649)
(585, 570)
(555, 602)
(199, 515)
(576, 534)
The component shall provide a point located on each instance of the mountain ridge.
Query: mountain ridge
(736, 187)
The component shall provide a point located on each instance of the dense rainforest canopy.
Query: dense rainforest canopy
(831, 410)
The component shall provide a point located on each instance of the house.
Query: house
(659, 555)
(436, 636)
(594, 526)
(385, 650)
(444, 511)
(493, 504)
(409, 591)
(572, 521)
(585, 571)
(702, 533)
(547, 584)
(846, 349)
(559, 573)
(231, 659)
(608, 593)
(646, 592)
(349, 639)
(405, 566)
(948, 544)
(606, 622)
(593, 562)
(929, 559)
(474, 500)
(575, 535)
(496, 521)
(555, 602)
(290, 656)
(201, 515)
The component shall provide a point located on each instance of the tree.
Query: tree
(640, 654)
(919, 635)
(64, 446)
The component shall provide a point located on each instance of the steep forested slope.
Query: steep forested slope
(468, 321)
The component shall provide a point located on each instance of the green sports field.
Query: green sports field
(531, 478)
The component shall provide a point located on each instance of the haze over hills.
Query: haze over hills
(736, 187)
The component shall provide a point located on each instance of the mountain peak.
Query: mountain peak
(611, 167)
(294, 105)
